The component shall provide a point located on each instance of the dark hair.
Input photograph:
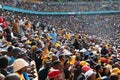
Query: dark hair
(61, 56)
(38, 51)
(12, 77)
(33, 43)
(16, 50)
(114, 77)
(97, 67)
(66, 61)
(10, 48)
(3, 62)
(56, 62)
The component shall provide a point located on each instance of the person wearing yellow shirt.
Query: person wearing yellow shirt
(46, 50)
(27, 25)
(67, 36)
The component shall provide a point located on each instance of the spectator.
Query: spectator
(43, 71)
(4, 65)
(20, 66)
(54, 75)
(114, 77)
(84, 40)
(99, 70)
(12, 77)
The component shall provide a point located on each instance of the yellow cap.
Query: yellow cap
(83, 63)
(115, 70)
(9, 44)
(28, 42)
(34, 48)
(57, 45)
(72, 61)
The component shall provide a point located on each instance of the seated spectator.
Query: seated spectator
(12, 77)
(4, 65)
(20, 66)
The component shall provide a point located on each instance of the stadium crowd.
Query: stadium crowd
(73, 47)
(66, 7)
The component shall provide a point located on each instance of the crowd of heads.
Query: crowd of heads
(66, 6)
(73, 47)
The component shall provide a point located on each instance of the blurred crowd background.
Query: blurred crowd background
(60, 47)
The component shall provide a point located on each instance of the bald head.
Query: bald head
(12, 77)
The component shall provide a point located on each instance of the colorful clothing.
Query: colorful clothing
(20, 76)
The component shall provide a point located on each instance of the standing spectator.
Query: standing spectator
(16, 28)
(104, 51)
(76, 44)
(53, 34)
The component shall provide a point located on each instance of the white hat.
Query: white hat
(83, 50)
(19, 64)
(89, 73)
(45, 30)
(23, 38)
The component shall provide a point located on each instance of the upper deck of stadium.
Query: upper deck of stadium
(65, 6)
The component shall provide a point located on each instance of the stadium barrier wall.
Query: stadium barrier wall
(58, 13)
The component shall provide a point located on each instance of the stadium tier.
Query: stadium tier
(60, 40)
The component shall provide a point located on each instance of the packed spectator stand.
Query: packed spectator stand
(60, 47)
